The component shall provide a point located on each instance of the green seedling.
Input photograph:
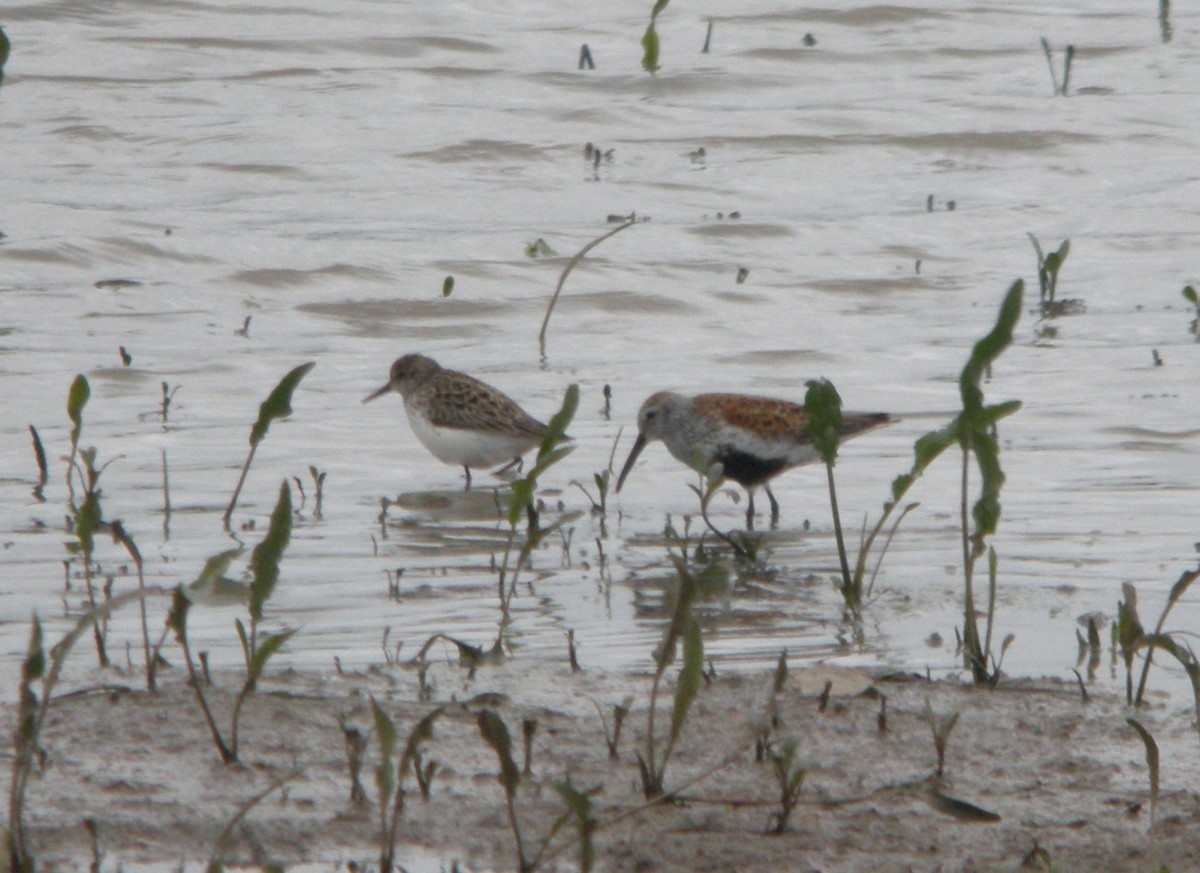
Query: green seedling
(941, 726)
(40, 672)
(77, 399)
(356, 749)
(39, 455)
(164, 406)
(212, 585)
(554, 447)
(495, 732)
(1152, 764)
(1128, 633)
(612, 738)
(318, 477)
(264, 565)
(1129, 638)
(216, 861)
(745, 546)
(789, 776)
(562, 278)
(572, 652)
(1189, 294)
(469, 656)
(579, 807)
(5, 47)
(682, 631)
(585, 58)
(1048, 267)
(603, 481)
(390, 778)
(447, 286)
(975, 432)
(277, 405)
(650, 45)
(1164, 20)
(1063, 88)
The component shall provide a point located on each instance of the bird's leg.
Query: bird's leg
(774, 504)
(467, 470)
(750, 509)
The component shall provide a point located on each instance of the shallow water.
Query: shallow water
(319, 168)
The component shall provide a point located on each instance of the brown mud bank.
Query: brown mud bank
(1065, 781)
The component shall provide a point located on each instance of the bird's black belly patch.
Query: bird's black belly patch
(746, 469)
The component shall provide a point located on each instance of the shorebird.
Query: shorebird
(753, 438)
(458, 418)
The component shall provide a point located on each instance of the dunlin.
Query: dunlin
(458, 418)
(753, 438)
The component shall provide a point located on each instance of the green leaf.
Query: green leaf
(177, 617)
(781, 672)
(267, 647)
(824, 408)
(495, 732)
(987, 350)
(264, 560)
(448, 286)
(579, 805)
(34, 666)
(1190, 295)
(690, 675)
(211, 586)
(422, 733)
(556, 429)
(385, 732)
(77, 398)
(650, 49)
(522, 496)
(87, 521)
(278, 403)
(959, 809)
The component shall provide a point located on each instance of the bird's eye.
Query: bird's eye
(651, 414)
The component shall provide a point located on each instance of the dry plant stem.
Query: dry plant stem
(228, 756)
(238, 488)
(571, 264)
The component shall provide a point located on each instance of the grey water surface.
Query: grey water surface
(170, 170)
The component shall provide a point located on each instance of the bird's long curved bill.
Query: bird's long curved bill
(638, 445)
(384, 390)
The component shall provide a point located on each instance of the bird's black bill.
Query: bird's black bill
(638, 445)
(384, 390)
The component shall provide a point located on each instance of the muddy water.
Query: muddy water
(286, 182)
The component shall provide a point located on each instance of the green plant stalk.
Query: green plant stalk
(851, 593)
